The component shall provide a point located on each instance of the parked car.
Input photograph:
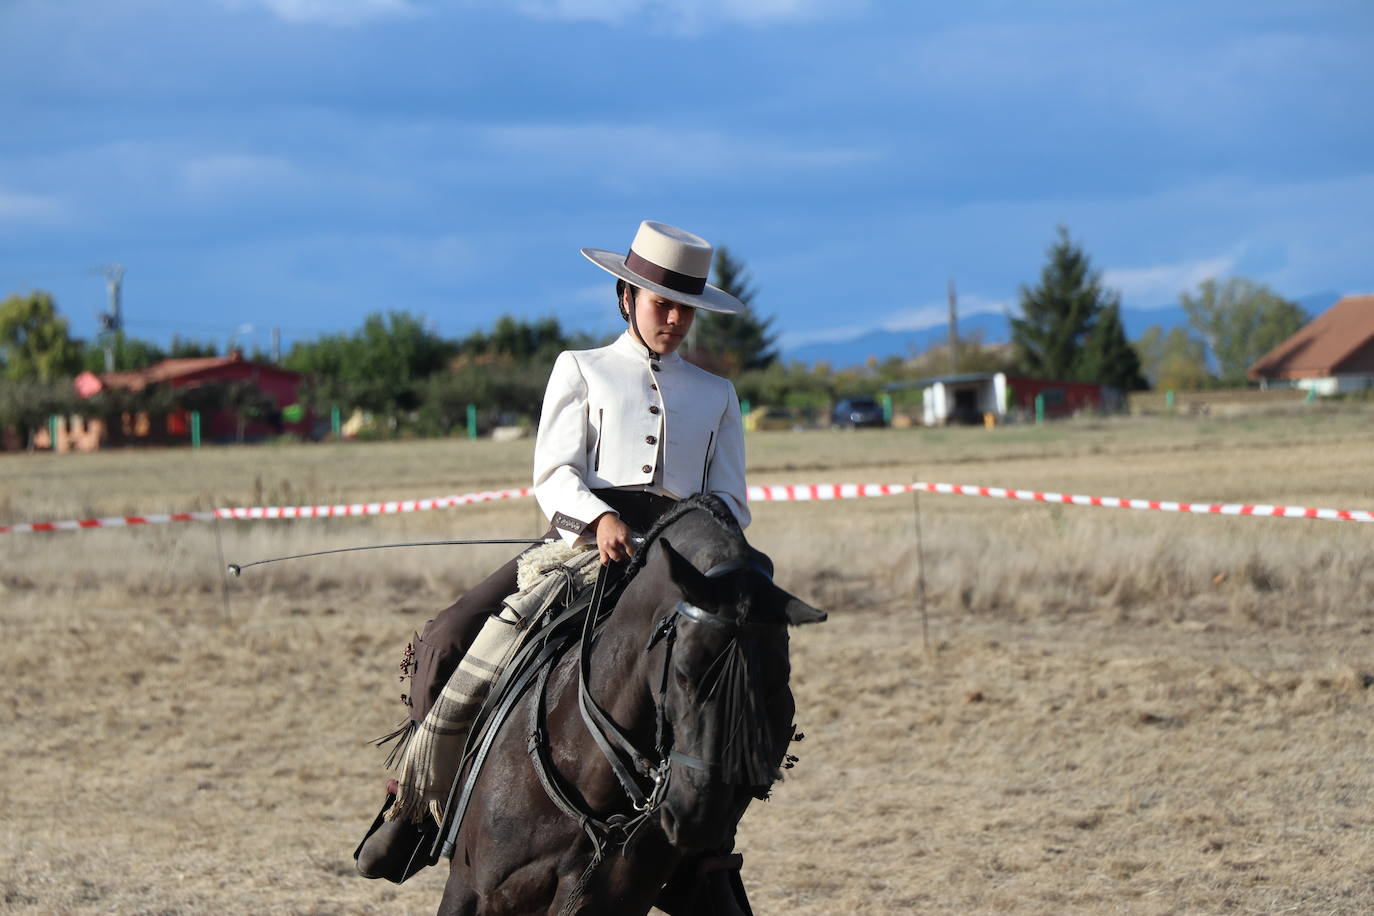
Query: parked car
(857, 412)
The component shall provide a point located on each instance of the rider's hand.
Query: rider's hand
(612, 538)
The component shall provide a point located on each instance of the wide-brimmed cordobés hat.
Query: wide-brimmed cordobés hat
(671, 262)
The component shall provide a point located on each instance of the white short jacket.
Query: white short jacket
(605, 412)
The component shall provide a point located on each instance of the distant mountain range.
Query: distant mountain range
(994, 328)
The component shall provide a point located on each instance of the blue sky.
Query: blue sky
(301, 163)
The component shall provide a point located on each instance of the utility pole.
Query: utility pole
(953, 329)
(276, 346)
(112, 322)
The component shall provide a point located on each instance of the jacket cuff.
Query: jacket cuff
(567, 523)
(578, 511)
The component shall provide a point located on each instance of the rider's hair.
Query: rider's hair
(620, 287)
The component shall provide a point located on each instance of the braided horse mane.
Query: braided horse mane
(710, 503)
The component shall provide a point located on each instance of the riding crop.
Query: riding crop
(237, 568)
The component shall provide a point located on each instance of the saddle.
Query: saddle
(549, 636)
(547, 614)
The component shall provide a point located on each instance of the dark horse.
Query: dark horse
(642, 749)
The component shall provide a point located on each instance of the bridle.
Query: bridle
(627, 761)
(666, 630)
(532, 667)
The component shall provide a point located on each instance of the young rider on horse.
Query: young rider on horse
(626, 430)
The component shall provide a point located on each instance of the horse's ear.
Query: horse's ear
(688, 578)
(799, 612)
(783, 603)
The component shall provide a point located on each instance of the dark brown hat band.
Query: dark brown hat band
(650, 271)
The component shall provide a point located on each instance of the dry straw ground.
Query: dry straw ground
(1117, 712)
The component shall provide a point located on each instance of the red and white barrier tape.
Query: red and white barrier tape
(847, 491)
(273, 512)
(123, 521)
(807, 492)
(387, 508)
(786, 493)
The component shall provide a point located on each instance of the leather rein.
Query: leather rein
(535, 663)
(624, 757)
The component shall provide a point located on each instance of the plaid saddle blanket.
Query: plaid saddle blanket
(432, 756)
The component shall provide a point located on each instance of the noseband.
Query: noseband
(666, 631)
(626, 760)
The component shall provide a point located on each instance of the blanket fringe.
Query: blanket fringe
(401, 736)
(411, 801)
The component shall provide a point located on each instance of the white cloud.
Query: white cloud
(791, 340)
(1163, 282)
(18, 206)
(919, 318)
(690, 15)
(330, 12)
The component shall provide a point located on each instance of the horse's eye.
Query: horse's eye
(683, 680)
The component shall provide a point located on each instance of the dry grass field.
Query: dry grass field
(1115, 711)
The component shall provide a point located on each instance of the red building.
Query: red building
(281, 388)
(1061, 399)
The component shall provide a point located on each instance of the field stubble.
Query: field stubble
(1116, 711)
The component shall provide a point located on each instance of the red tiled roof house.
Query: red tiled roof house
(280, 386)
(1332, 354)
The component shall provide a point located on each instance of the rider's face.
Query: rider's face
(662, 323)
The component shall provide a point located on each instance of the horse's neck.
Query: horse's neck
(619, 664)
(620, 683)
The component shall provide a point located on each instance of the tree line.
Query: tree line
(414, 381)
(1070, 328)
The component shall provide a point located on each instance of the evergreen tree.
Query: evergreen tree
(1056, 315)
(730, 344)
(1070, 326)
(1107, 356)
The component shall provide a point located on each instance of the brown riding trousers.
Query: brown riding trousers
(444, 641)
